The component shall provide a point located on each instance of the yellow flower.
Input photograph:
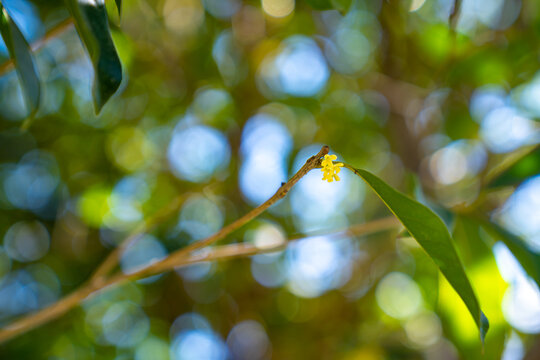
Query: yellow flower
(329, 169)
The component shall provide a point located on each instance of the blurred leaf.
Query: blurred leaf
(514, 167)
(119, 7)
(529, 259)
(471, 245)
(20, 52)
(93, 27)
(431, 233)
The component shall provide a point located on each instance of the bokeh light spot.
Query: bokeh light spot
(142, 252)
(317, 264)
(248, 341)
(124, 324)
(27, 241)
(398, 296)
(278, 8)
(486, 99)
(183, 17)
(197, 152)
(457, 161)
(130, 149)
(94, 205)
(222, 9)
(505, 129)
(521, 306)
(152, 348)
(424, 329)
(297, 69)
(189, 321)
(520, 212)
(32, 183)
(268, 236)
(198, 344)
(302, 68)
(266, 144)
(200, 217)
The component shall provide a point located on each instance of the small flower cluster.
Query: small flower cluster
(329, 169)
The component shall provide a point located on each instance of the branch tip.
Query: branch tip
(324, 150)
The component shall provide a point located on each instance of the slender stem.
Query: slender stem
(185, 256)
(219, 253)
(112, 259)
(386, 223)
(62, 306)
(55, 31)
(45, 315)
(160, 266)
(454, 15)
(241, 250)
(224, 252)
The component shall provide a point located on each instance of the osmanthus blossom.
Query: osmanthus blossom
(330, 169)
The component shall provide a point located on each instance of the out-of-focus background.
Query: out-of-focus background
(222, 100)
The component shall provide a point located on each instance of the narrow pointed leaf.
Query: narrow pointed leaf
(93, 27)
(529, 260)
(119, 7)
(20, 52)
(433, 235)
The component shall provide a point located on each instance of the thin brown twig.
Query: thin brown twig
(237, 250)
(62, 306)
(454, 15)
(359, 229)
(224, 252)
(45, 315)
(112, 259)
(241, 250)
(219, 253)
(310, 164)
(55, 31)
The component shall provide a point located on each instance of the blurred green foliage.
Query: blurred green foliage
(221, 101)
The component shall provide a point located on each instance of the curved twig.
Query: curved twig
(175, 259)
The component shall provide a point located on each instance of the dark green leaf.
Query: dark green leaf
(22, 58)
(119, 7)
(529, 259)
(432, 234)
(93, 28)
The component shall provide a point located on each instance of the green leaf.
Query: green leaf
(433, 235)
(467, 235)
(93, 28)
(119, 7)
(529, 259)
(22, 58)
